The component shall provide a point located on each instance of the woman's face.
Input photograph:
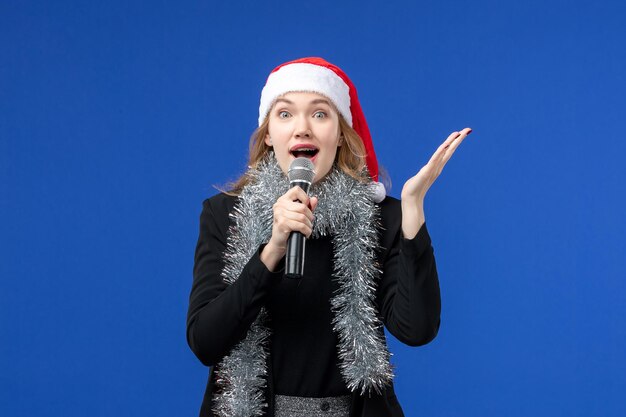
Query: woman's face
(304, 124)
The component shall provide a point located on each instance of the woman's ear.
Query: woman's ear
(268, 140)
(340, 141)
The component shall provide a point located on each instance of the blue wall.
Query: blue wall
(116, 118)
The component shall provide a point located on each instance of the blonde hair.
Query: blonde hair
(350, 156)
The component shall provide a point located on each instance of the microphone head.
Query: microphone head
(301, 170)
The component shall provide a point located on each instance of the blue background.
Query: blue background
(117, 118)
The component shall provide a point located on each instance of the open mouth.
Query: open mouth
(304, 151)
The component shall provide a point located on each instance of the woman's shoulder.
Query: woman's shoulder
(220, 204)
(390, 206)
(390, 214)
(390, 202)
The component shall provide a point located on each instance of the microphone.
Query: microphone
(300, 173)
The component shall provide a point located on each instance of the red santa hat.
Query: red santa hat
(319, 76)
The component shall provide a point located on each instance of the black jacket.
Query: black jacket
(219, 315)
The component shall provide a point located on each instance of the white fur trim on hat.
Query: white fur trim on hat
(306, 77)
(378, 191)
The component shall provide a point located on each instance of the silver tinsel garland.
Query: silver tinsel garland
(346, 211)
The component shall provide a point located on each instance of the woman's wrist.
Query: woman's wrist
(413, 218)
(271, 255)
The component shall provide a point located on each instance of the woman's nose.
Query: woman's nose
(302, 128)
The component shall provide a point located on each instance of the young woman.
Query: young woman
(313, 346)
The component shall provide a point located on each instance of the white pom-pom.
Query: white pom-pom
(378, 192)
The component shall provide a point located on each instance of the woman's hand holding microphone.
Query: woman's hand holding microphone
(293, 212)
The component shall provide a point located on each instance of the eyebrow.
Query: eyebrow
(316, 101)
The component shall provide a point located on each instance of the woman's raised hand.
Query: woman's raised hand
(293, 212)
(415, 188)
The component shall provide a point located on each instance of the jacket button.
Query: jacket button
(325, 406)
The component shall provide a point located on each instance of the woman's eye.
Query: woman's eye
(283, 114)
(320, 115)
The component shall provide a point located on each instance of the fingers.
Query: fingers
(297, 193)
(459, 137)
(444, 153)
(455, 144)
(293, 211)
(295, 207)
(450, 144)
(420, 183)
(443, 147)
(297, 200)
(454, 138)
(296, 211)
(286, 226)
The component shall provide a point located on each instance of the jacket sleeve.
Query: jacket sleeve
(409, 292)
(220, 315)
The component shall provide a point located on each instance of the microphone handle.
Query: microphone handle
(294, 258)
